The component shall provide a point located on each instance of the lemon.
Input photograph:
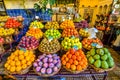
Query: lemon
(21, 57)
(12, 63)
(6, 65)
(29, 63)
(23, 62)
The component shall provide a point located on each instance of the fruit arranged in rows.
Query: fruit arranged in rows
(35, 32)
(52, 25)
(67, 24)
(84, 32)
(68, 43)
(12, 23)
(47, 64)
(68, 32)
(49, 46)
(36, 24)
(74, 60)
(52, 33)
(4, 18)
(6, 32)
(90, 43)
(28, 42)
(19, 60)
(100, 58)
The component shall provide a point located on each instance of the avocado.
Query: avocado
(97, 63)
(104, 65)
(91, 60)
(96, 56)
(104, 57)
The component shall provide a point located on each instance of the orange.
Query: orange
(18, 68)
(83, 66)
(18, 63)
(67, 53)
(27, 58)
(68, 65)
(69, 56)
(8, 67)
(64, 62)
(73, 57)
(75, 62)
(24, 66)
(64, 55)
(72, 51)
(80, 63)
(70, 61)
(23, 61)
(62, 58)
(16, 59)
(32, 59)
(12, 63)
(73, 67)
(21, 57)
(21, 52)
(79, 58)
(76, 53)
(79, 68)
(66, 59)
(12, 69)
(29, 63)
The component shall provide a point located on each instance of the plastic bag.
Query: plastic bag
(92, 33)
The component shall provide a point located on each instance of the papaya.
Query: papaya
(97, 63)
(104, 57)
(104, 65)
(91, 60)
(96, 56)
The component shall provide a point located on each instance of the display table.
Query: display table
(90, 72)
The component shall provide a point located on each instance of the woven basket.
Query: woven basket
(20, 72)
(75, 72)
(100, 69)
(46, 75)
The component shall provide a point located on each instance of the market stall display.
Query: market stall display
(100, 59)
(47, 65)
(4, 18)
(74, 61)
(84, 32)
(28, 43)
(69, 32)
(36, 24)
(71, 42)
(52, 34)
(67, 24)
(52, 25)
(35, 32)
(19, 62)
(49, 46)
(91, 43)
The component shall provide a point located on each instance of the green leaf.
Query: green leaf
(51, 2)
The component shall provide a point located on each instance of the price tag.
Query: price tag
(94, 44)
(23, 49)
(98, 46)
(50, 38)
(75, 47)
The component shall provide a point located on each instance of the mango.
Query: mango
(97, 63)
(96, 56)
(104, 65)
(104, 57)
(91, 60)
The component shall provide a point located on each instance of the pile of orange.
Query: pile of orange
(68, 32)
(67, 24)
(74, 60)
(35, 32)
(19, 60)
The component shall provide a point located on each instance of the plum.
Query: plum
(43, 70)
(50, 60)
(51, 65)
(45, 65)
(45, 60)
(55, 61)
(38, 69)
(40, 63)
(55, 69)
(49, 71)
(35, 64)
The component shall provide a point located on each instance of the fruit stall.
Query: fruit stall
(52, 50)
(31, 47)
